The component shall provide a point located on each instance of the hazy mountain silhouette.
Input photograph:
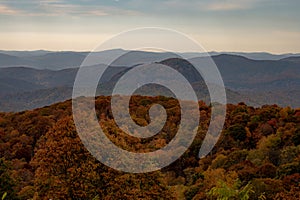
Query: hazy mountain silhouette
(11, 61)
(255, 82)
(260, 55)
(240, 73)
(67, 59)
(25, 54)
(295, 59)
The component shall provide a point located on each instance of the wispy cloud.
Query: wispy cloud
(60, 8)
(230, 5)
(213, 5)
(6, 10)
(85, 10)
(97, 8)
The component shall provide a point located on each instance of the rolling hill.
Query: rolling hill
(256, 82)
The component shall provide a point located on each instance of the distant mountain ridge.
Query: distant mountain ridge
(256, 82)
(69, 59)
(295, 59)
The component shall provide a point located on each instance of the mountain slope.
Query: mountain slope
(256, 82)
(295, 59)
(240, 73)
(9, 61)
(42, 155)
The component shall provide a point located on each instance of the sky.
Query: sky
(218, 25)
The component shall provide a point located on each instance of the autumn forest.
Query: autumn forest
(256, 157)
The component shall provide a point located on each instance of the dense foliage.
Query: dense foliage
(256, 157)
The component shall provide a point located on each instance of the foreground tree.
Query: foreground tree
(64, 169)
(6, 183)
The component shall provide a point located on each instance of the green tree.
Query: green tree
(225, 192)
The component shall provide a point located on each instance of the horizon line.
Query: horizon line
(89, 51)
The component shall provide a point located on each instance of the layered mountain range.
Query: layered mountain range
(32, 79)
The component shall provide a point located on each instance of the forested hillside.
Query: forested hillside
(256, 157)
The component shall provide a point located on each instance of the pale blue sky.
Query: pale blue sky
(228, 25)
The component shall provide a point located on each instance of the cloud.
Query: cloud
(60, 8)
(226, 6)
(5, 10)
(230, 5)
(212, 5)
